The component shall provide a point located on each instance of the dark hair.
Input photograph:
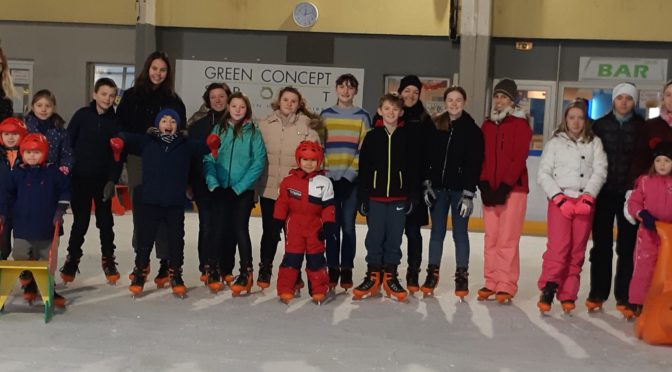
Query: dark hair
(213, 86)
(392, 98)
(46, 94)
(455, 88)
(107, 82)
(350, 79)
(248, 114)
(143, 84)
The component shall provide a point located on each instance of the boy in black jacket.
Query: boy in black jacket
(93, 177)
(388, 192)
(166, 155)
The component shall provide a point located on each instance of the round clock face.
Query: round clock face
(305, 14)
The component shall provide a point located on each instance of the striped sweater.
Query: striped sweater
(346, 129)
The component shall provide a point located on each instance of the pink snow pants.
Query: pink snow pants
(645, 257)
(503, 227)
(565, 251)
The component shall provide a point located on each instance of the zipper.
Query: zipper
(389, 161)
(231, 158)
(445, 158)
(401, 181)
(375, 176)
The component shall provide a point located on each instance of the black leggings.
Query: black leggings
(231, 222)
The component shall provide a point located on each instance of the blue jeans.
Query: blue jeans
(386, 222)
(447, 200)
(346, 212)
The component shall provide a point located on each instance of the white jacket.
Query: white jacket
(572, 167)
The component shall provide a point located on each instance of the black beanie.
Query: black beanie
(409, 80)
(507, 87)
(663, 149)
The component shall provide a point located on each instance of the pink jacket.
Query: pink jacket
(653, 193)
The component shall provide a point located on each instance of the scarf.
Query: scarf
(167, 138)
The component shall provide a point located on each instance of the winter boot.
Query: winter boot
(391, 284)
(462, 282)
(334, 274)
(546, 297)
(594, 304)
(30, 291)
(412, 280)
(163, 276)
(110, 269)
(25, 278)
(70, 269)
(138, 281)
(176, 282)
(568, 306)
(485, 293)
(346, 278)
(59, 301)
(243, 282)
(503, 297)
(265, 274)
(214, 279)
(370, 286)
(431, 281)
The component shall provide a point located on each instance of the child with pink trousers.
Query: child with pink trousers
(572, 171)
(650, 201)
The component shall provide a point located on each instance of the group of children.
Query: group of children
(380, 172)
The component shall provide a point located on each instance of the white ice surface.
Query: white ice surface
(104, 329)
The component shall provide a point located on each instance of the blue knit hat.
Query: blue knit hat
(167, 111)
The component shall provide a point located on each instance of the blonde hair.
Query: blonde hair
(581, 104)
(6, 77)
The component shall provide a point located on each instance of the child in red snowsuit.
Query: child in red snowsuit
(305, 206)
(651, 200)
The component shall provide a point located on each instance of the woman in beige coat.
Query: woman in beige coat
(289, 124)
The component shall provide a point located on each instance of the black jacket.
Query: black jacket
(90, 135)
(623, 144)
(137, 111)
(199, 131)
(383, 155)
(456, 156)
(6, 108)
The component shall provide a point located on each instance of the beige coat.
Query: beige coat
(281, 138)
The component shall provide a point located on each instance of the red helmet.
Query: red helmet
(309, 150)
(35, 142)
(13, 125)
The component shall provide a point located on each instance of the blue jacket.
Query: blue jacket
(34, 194)
(165, 166)
(60, 151)
(240, 159)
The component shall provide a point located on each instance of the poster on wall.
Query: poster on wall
(22, 76)
(262, 82)
(432, 91)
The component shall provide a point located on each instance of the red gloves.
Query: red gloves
(565, 205)
(213, 143)
(117, 145)
(585, 205)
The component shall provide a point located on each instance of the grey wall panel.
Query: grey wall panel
(378, 55)
(541, 62)
(61, 52)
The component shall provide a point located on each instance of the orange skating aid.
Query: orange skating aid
(654, 324)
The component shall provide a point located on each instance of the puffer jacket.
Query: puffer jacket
(653, 193)
(240, 159)
(623, 144)
(60, 150)
(506, 148)
(572, 167)
(281, 137)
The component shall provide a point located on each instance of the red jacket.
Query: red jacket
(307, 196)
(506, 148)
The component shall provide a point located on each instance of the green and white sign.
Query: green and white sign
(623, 69)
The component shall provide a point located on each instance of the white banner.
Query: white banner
(261, 83)
(623, 69)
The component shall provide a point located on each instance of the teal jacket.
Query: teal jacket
(240, 159)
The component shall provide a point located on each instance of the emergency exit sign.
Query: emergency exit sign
(623, 69)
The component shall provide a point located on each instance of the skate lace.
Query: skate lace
(109, 265)
(394, 285)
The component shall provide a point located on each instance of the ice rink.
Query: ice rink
(105, 329)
